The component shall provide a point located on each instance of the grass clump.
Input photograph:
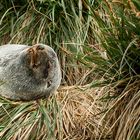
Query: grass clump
(98, 43)
(73, 113)
(119, 36)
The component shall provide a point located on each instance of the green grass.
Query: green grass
(31, 120)
(98, 43)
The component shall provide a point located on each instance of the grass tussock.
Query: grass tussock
(98, 43)
(123, 114)
(73, 113)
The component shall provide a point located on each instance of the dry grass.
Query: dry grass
(81, 113)
(74, 113)
(123, 114)
(77, 118)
